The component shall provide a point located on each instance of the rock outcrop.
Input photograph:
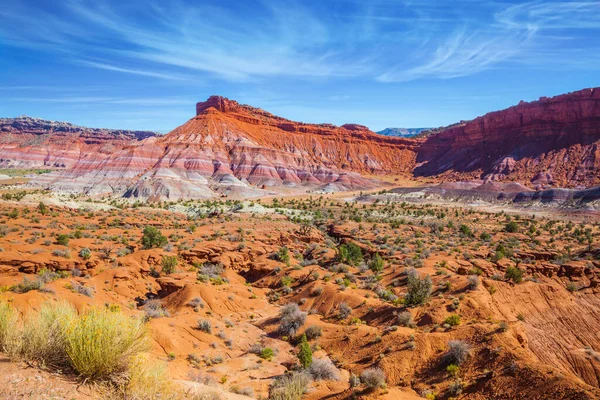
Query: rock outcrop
(550, 141)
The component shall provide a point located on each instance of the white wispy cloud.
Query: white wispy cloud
(142, 72)
(391, 41)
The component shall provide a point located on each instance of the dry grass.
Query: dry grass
(102, 343)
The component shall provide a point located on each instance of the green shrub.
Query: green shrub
(511, 227)
(153, 238)
(305, 353)
(62, 240)
(350, 253)
(283, 255)
(465, 230)
(453, 320)
(514, 274)
(85, 253)
(486, 237)
(267, 354)
(419, 290)
(376, 265)
(169, 264)
(42, 208)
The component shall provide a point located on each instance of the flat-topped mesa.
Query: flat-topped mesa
(219, 103)
(354, 127)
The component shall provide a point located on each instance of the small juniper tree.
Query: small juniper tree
(153, 238)
(419, 290)
(376, 264)
(305, 353)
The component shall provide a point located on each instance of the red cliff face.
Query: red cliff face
(553, 140)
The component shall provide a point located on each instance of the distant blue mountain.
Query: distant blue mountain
(402, 132)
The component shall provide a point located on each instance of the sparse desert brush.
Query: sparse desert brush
(27, 285)
(146, 381)
(419, 290)
(323, 369)
(101, 343)
(405, 319)
(457, 353)
(291, 318)
(155, 309)
(373, 378)
(169, 264)
(344, 310)
(289, 387)
(204, 325)
(8, 321)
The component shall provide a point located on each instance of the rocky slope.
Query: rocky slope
(550, 141)
(27, 142)
(231, 148)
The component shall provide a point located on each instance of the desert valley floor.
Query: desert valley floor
(393, 299)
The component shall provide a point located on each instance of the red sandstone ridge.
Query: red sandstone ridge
(550, 141)
(27, 142)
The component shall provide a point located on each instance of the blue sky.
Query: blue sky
(382, 63)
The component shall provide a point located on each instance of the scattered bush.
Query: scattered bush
(27, 285)
(155, 309)
(514, 274)
(511, 227)
(85, 253)
(151, 238)
(376, 264)
(101, 343)
(452, 320)
(291, 318)
(289, 387)
(373, 378)
(458, 352)
(405, 319)
(283, 255)
(473, 282)
(204, 325)
(169, 264)
(419, 290)
(344, 310)
(323, 369)
(305, 353)
(313, 332)
(350, 253)
(267, 353)
(62, 240)
(81, 289)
